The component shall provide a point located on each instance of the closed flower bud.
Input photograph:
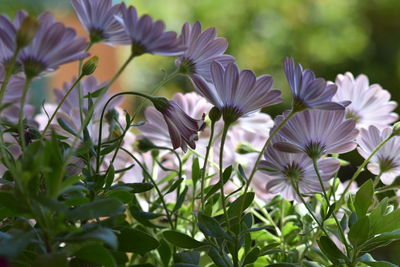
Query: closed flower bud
(90, 66)
(214, 114)
(144, 144)
(27, 31)
(396, 129)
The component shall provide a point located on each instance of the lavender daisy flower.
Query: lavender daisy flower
(53, 45)
(308, 91)
(8, 35)
(236, 93)
(386, 160)
(182, 128)
(286, 169)
(98, 18)
(370, 104)
(156, 129)
(148, 36)
(316, 133)
(202, 49)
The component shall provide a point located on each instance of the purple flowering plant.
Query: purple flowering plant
(207, 179)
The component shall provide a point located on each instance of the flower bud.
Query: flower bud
(144, 144)
(27, 31)
(90, 66)
(160, 103)
(214, 114)
(396, 129)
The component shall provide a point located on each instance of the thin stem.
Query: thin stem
(60, 104)
(149, 176)
(101, 122)
(361, 168)
(204, 169)
(9, 71)
(377, 179)
(341, 232)
(21, 113)
(221, 171)
(274, 132)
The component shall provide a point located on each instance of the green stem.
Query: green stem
(9, 71)
(377, 179)
(60, 104)
(21, 113)
(221, 171)
(160, 195)
(274, 132)
(204, 169)
(361, 168)
(341, 232)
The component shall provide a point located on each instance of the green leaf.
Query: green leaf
(59, 260)
(180, 200)
(369, 260)
(10, 203)
(359, 232)
(283, 264)
(134, 240)
(251, 256)
(387, 223)
(13, 246)
(182, 240)
(214, 188)
(122, 195)
(364, 198)
(97, 208)
(210, 226)
(165, 252)
(381, 240)
(188, 257)
(330, 250)
(217, 258)
(196, 173)
(138, 187)
(96, 253)
(96, 93)
(109, 177)
(237, 207)
(330, 211)
(103, 234)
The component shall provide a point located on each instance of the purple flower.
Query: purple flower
(182, 128)
(236, 93)
(53, 45)
(148, 36)
(202, 49)
(98, 17)
(387, 159)
(370, 104)
(8, 34)
(308, 91)
(287, 168)
(316, 133)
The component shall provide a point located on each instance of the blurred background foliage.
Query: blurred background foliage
(328, 36)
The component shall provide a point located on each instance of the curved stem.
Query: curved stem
(274, 132)
(341, 232)
(60, 104)
(21, 113)
(101, 122)
(221, 171)
(155, 186)
(361, 168)
(204, 169)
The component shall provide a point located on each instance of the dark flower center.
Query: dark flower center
(33, 67)
(231, 114)
(187, 66)
(96, 35)
(351, 114)
(314, 149)
(386, 164)
(299, 104)
(137, 48)
(293, 171)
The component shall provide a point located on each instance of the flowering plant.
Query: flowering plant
(207, 179)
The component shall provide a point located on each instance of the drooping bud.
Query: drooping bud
(27, 31)
(214, 114)
(144, 144)
(396, 129)
(160, 103)
(90, 66)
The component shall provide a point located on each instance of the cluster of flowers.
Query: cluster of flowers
(326, 118)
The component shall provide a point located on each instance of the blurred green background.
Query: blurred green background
(328, 36)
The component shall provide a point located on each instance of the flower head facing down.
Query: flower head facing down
(287, 170)
(307, 90)
(182, 128)
(386, 160)
(53, 45)
(98, 18)
(316, 133)
(148, 36)
(202, 49)
(370, 104)
(236, 93)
